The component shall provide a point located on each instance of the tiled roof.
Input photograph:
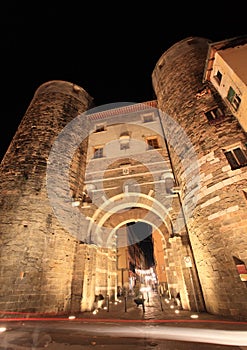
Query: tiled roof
(131, 108)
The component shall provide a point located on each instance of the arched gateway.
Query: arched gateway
(74, 177)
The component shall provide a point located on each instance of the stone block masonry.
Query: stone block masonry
(217, 228)
(37, 254)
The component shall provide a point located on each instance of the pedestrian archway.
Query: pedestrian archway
(109, 226)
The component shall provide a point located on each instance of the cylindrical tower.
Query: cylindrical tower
(37, 254)
(215, 202)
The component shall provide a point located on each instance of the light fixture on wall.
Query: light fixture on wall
(176, 189)
(76, 201)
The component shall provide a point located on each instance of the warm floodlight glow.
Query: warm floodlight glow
(194, 316)
(145, 289)
(2, 329)
(71, 317)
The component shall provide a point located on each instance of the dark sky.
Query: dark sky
(108, 48)
(141, 233)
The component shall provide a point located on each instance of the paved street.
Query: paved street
(123, 325)
(160, 310)
(156, 309)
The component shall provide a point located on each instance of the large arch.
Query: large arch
(120, 208)
(124, 208)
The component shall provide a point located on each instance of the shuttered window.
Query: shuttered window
(236, 157)
(233, 98)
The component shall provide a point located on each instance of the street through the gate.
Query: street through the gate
(157, 324)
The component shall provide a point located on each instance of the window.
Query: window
(233, 98)
(148, 118)
(98, 152)
(237, 157)
(99, 128)
(214, 114)
(218, 77)
(124, 140)
(152, 143)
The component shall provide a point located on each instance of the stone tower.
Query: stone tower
(217, 225)
(38, 257)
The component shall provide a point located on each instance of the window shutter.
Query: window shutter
(231, 94)
(231, 159)
(241, 157)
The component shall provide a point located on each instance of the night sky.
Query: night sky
(109, 49)
(141, 233)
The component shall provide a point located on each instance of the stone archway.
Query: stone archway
(176, 275)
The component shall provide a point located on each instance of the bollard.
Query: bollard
(143, 307)
(108, 303)
(161, 305)
(125, 304)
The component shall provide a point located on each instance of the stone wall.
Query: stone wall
(37, 253)
(216, 214)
